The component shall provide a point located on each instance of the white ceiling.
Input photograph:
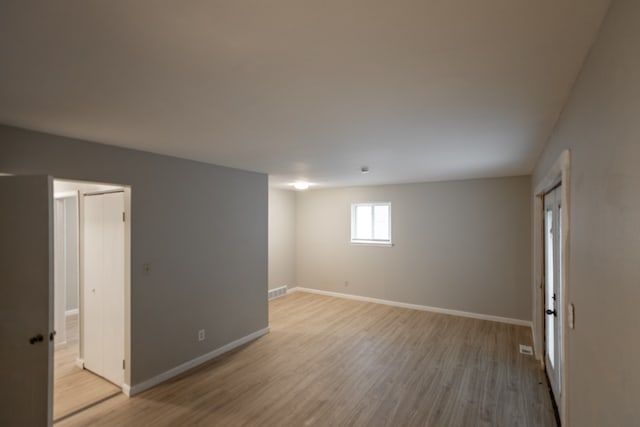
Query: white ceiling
(418, 90)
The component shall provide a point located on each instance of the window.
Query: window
(371, 223)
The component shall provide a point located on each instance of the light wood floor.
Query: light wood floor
(334, 362)
(73, 387)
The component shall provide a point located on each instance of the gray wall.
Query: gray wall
(282, 238)
(460, 245)
(202, 228)
(601, 127)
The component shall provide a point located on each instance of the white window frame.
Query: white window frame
(376, 242)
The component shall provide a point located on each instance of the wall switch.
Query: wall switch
(146, 268)
(201, 335)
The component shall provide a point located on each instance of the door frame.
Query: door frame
(559, 172)
(126, 385)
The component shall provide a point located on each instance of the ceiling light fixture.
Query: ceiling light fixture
(300, 185)
(364, 169)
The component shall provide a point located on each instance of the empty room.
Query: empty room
(320, 213)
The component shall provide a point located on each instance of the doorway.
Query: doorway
(551, 278)
(90, 291)
(553, 292)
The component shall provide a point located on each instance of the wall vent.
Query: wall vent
(277, 292)
(526, 349)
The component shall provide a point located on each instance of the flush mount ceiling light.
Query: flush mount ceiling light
(364, 169)
(300, 185)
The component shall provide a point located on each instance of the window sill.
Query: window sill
(371, 243)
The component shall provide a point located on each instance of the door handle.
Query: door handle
(37, 338)
(552, 312)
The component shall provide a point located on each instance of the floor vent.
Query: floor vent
(526, 349)
(277, 292)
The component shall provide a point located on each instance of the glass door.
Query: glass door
(553, 290)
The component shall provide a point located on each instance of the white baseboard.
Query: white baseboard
(416, 307)
(71, 312)
(145, 385)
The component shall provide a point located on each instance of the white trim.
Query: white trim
(65, 195)
(80, 363)
(71, 312)
(500, 319)
(383, 243)
(145, 385)
(537, 267)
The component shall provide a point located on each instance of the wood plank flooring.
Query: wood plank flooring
(335, 362)
(74, 388)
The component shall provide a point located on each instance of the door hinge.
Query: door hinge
(123, 364)
(123, 217)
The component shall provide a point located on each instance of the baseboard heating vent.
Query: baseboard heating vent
(526, 349)
(277, 292)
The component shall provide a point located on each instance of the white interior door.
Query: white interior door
(91, 309)
(553, 290)
(103, 310)
(26, 309)
(113, 287)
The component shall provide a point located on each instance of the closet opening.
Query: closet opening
(92, 236)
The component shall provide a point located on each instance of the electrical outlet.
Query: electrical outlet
(201, 335)
(346, 283)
